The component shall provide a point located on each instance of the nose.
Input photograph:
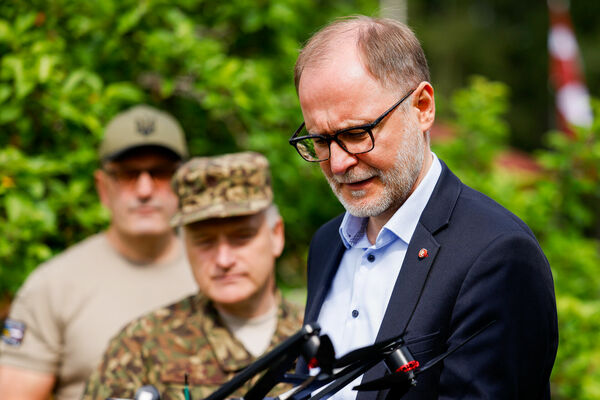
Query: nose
(340, 160)
(144, 186)
(225, 258)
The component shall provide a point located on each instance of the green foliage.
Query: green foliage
(573, 246)
(479, 125)
(559, 202)
(223, 69)
(43, 207)
(505, 40)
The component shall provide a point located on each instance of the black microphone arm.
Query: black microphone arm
(281, 359)
(334, 373)
(317, 351)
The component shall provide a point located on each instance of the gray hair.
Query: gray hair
(389, 50)
(272, 215)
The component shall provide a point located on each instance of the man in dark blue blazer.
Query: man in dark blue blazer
(417, 252)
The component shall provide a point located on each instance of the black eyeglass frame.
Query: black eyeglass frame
(368, 128)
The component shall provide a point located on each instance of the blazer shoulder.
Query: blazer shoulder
(328, 231)
(486, 211)
(455, 210)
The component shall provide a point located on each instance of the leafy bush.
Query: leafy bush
(223, 69)
(559, 201)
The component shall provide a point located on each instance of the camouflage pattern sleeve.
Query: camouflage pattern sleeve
(121, 370)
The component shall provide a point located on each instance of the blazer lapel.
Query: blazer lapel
(405, 296)
(415, 270)
(409, 284)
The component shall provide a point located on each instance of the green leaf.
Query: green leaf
(9, 113)
(5, 92)
(45, 66)
(82, 77)
(15, 66)
(16, 207)
(5, 31)
(125, 91)
(130, 19)
(39, 251)
(24, 22)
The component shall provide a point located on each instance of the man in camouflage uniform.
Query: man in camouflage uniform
(233, 235)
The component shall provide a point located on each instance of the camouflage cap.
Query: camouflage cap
(142, 126)
(223, 186)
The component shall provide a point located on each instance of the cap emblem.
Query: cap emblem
(145, 126)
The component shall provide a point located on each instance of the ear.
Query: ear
(424, 102)
(278, 238)
(100, 182)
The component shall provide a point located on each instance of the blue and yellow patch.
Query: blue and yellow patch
(13, 332)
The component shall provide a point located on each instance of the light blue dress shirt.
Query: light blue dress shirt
(355, 305)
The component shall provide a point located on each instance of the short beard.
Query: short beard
(398, 182)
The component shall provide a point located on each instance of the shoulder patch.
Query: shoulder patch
(13, 332)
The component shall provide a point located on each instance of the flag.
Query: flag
(566, 72)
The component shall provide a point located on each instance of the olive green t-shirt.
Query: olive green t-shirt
(71, 306)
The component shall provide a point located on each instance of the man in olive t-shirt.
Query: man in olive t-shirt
(64, 315)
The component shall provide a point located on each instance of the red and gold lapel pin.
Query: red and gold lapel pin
(423, 253)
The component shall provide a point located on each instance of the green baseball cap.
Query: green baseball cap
(142, 126)
(223, 186)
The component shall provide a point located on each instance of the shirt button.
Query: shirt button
(371, 257)
(354, 313)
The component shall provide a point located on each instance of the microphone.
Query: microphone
(147, 392)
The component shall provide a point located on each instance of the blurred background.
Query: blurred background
(224, 70)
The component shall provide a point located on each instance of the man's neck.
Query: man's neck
(146, 248)
(376, 223)
(251, 308)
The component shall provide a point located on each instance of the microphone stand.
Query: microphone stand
(335, 373)
(280, 359)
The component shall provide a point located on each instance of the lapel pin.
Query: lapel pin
(423, 253)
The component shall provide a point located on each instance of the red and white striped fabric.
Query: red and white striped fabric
(572, 96)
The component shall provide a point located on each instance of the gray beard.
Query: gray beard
(397, 182)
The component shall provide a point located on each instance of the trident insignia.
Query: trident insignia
(145, 126)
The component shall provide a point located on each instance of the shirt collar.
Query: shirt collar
(405, 219)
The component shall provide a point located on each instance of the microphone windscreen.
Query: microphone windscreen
(147, 392)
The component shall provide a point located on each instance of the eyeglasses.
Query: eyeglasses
(355, 140)
(130, 176)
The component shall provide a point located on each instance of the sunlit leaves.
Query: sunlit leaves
(224, 69)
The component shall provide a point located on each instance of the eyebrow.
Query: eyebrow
(349, 127)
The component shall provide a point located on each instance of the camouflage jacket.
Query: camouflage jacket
(188, 336)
